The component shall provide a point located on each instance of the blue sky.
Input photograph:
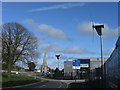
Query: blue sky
(65, 27)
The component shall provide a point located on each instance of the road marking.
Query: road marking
(60, 85)
(42, 85)
(39, 86)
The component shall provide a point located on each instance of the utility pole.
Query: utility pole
(99, 32)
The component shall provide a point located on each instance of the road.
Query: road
(53, 84)
(50, 84)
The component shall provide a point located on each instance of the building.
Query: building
(68, 69)
(44, 67)
(112, 68)
(80, 70)
(86, 65)
(96, 62)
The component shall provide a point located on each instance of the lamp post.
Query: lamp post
(99, 32)
(58, 56)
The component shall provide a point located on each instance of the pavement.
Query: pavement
(72, 81)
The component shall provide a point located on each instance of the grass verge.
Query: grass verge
(88, 84)
(17, 80)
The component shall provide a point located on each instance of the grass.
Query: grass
(88, 84)
(17, 80)
(0, 78)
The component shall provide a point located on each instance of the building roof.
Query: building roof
(92, 59)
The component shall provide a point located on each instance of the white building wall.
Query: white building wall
(94, 63)
(68, 68)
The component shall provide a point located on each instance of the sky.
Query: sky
(65, 27)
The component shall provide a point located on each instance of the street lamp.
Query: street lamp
(99, 32)
(58, 56)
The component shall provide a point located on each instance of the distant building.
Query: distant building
(44, 67)
(86, 65)
(68, 69)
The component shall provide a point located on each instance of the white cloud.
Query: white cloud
(108, 52)
(109, 32)
(53, 63)
(86, 29)
(54, 47)
(63, 6)
(49, 47)
(52, 32)
(62, 57)
(30, 22)
(76, 50)
(47, 30)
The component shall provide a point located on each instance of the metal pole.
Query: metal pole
(58, 63)
(75, 74)
(102, 63)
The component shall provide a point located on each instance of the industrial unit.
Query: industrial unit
(86, 65)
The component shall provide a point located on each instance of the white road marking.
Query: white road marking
(61, 84)
(39, 86)
(42, 85)
(72, 81)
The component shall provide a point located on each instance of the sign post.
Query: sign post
(76, 66)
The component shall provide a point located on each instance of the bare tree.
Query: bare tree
(18, 44)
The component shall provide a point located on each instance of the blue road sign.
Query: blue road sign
(76, 62)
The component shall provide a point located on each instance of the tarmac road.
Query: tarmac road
(50, 84)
